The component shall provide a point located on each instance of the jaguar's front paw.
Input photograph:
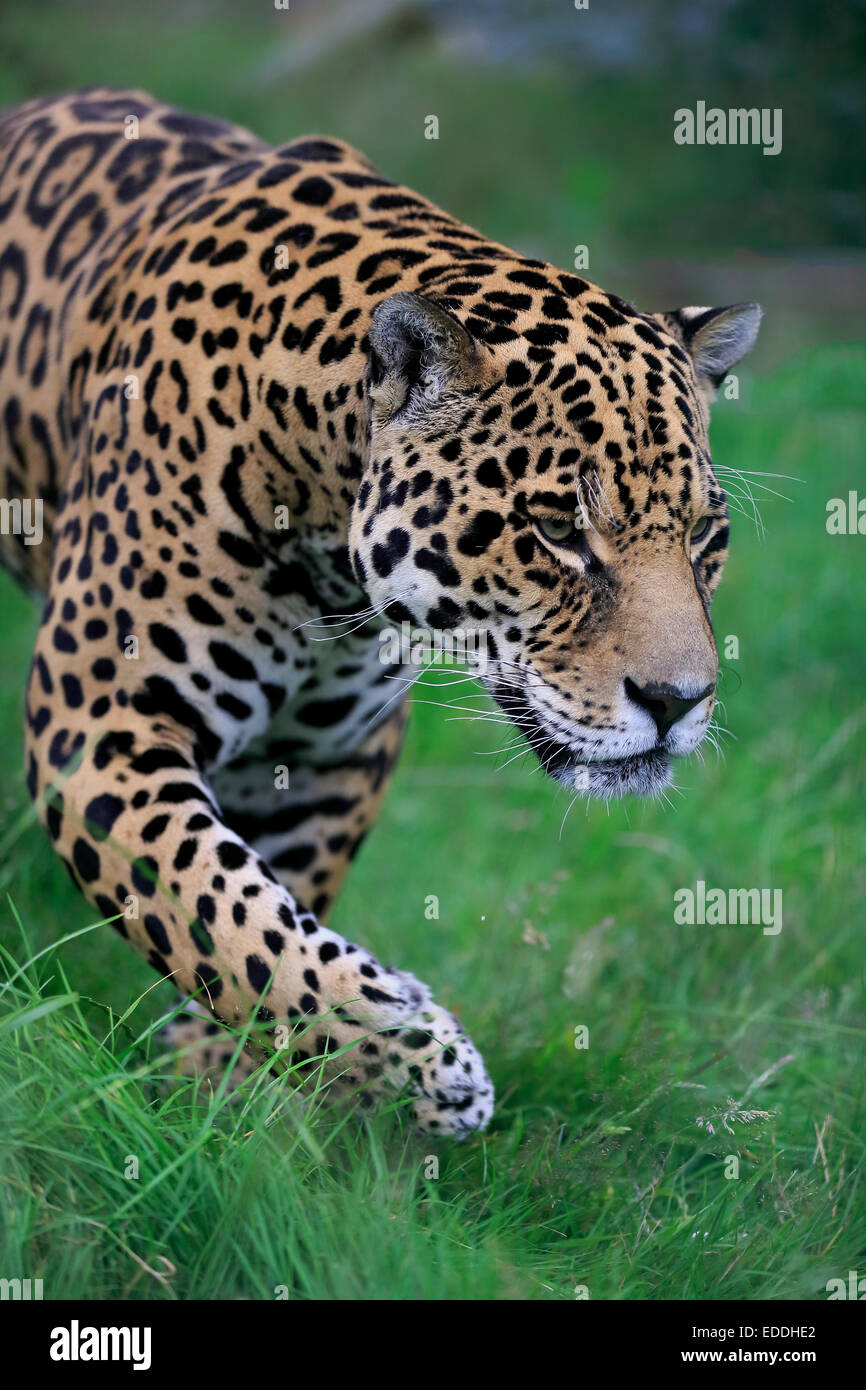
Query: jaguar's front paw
(444, 1072)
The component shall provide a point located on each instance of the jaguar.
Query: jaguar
(269, 405)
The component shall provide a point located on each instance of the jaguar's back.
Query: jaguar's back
(85, 181)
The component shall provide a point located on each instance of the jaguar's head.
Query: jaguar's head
(539, 482)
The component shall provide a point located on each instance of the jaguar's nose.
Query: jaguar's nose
(664, 703)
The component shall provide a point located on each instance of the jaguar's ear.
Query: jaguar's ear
(417, 352)
(715, 339)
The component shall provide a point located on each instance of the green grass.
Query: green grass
(595, 1171)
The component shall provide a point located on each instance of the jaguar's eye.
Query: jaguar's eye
(701, 529)
(559, 529)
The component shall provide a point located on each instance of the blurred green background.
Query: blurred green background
(556, 124)
(555, 130)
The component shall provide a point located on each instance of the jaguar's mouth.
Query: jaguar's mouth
(634, 774)
(638, 774)
(643, 773)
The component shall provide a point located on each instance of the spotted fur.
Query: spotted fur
(199, 331)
